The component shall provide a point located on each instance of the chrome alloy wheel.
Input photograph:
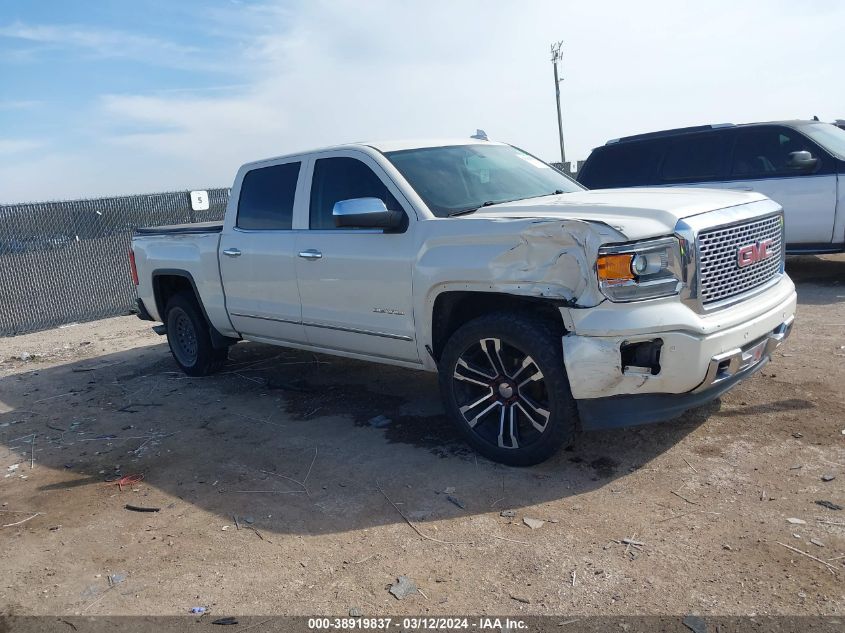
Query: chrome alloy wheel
(501, 394)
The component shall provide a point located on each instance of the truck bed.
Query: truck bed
(181, 229)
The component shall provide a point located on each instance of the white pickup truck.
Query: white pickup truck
(544, 307)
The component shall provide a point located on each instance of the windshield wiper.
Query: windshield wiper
(490, 203)
(469, 210)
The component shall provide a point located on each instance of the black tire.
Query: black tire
(514, 430)
(189, 337)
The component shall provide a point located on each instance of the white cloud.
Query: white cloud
(15, 146)
(12, 104)
(109, 43)
(320, 72)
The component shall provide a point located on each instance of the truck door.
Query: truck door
(257, 255)
(355, 284)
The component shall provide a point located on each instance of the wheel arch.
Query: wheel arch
(170, 281)
(452, 308)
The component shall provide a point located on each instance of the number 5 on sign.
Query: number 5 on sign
(199, 200)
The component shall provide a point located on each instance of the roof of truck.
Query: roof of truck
(398, 145)
(703, 128)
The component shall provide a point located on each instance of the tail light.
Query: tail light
(133, 269)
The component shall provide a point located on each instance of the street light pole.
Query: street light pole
(557, 56)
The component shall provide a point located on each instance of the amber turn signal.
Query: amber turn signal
(615, 267)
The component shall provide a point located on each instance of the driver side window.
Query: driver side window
(337, 179)
(761, 153)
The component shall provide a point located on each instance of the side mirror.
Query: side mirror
(802, 161)
(365, 213)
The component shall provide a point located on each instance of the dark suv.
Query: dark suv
(799, 164)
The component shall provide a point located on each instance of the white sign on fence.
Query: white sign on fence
(199, 200)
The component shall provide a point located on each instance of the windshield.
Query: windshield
(462, 178)
(828, 136)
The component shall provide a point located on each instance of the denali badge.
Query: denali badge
(753, 253)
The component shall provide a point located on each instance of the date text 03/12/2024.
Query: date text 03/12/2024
(418, 624)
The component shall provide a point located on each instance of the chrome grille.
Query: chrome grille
(720, 276)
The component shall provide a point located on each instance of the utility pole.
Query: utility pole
(557, 56)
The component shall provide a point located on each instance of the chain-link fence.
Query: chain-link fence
(571, 169)
(64, 262)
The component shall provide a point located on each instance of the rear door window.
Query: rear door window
(696, 158)
(267, 197)
(628, 165)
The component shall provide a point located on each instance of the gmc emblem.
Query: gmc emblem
(753, 253)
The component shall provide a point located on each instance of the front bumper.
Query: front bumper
(701, 356)
(724, 372)
(727, 365)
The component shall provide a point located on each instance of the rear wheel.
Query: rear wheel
(189, 337)
(504, 384)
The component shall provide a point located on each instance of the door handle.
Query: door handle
(311, 253)
(232, 252)
(741, 188)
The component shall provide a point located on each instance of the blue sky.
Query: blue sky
(59, 59)
(110, 96)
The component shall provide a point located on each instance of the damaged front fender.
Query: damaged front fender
(554, 259)
(540, 258)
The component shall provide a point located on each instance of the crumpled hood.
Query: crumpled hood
(638, 213)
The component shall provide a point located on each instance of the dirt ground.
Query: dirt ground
(281, 440)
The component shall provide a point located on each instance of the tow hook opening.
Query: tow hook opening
(724, 369)
(641, 357)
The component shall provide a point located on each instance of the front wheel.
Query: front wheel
(505, 386)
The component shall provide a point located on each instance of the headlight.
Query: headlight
(645, 270)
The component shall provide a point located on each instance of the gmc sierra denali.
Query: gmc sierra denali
(545, 308)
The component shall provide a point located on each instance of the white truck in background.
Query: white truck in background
(798, 164)
(544, 307)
